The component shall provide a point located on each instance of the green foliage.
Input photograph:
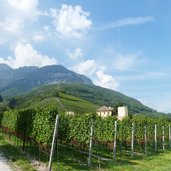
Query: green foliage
(10, 120)
(80, 128)
(43, 124)
(12, 103)
(18, 121)
(3, 106)
(38, 123)
(104, 128)
(124, 130)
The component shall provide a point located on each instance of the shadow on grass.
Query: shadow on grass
(15, 155)
(69, 159)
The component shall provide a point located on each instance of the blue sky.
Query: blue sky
(121, 45)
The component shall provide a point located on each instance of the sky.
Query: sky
(121, 45)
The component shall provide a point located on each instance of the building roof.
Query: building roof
(104, 108)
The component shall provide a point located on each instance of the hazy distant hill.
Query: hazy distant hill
(9, 75)
(17, 81)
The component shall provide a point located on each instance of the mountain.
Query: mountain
(4, 67)
(9, 75)
(21, 80)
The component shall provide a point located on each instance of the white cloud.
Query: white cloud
(11, 25)
(106, 81)
(125, 62)
(15, 15)
(26, 55)
(70, 21)
(97, 72)
(77, 53)
(87, 67)
(127, 22)
(38, 37)
(43, 13)
(26, 7)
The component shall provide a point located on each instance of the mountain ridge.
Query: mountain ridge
(17, 81)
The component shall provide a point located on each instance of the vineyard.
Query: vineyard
(111, 141)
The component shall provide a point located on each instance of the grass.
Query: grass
(70, 158)
(15, 156)
(160, 162)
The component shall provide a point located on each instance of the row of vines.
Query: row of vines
(38, 124)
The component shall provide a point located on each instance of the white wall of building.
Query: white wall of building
(122, 112)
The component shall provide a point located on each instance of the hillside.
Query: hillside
(50, 96)
(102, 96)
(85, 98)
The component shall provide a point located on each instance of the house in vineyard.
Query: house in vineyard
(105, 111)
(70, 112)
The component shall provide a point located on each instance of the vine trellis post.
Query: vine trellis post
(145, 139)
(91, 144)
(132, 140)
(163, 138)
(155, 137)
(114, 144)
(53, 142)
(169, 136)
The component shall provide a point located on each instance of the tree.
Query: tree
(3, 106)
(12, 103)
(1, 99)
